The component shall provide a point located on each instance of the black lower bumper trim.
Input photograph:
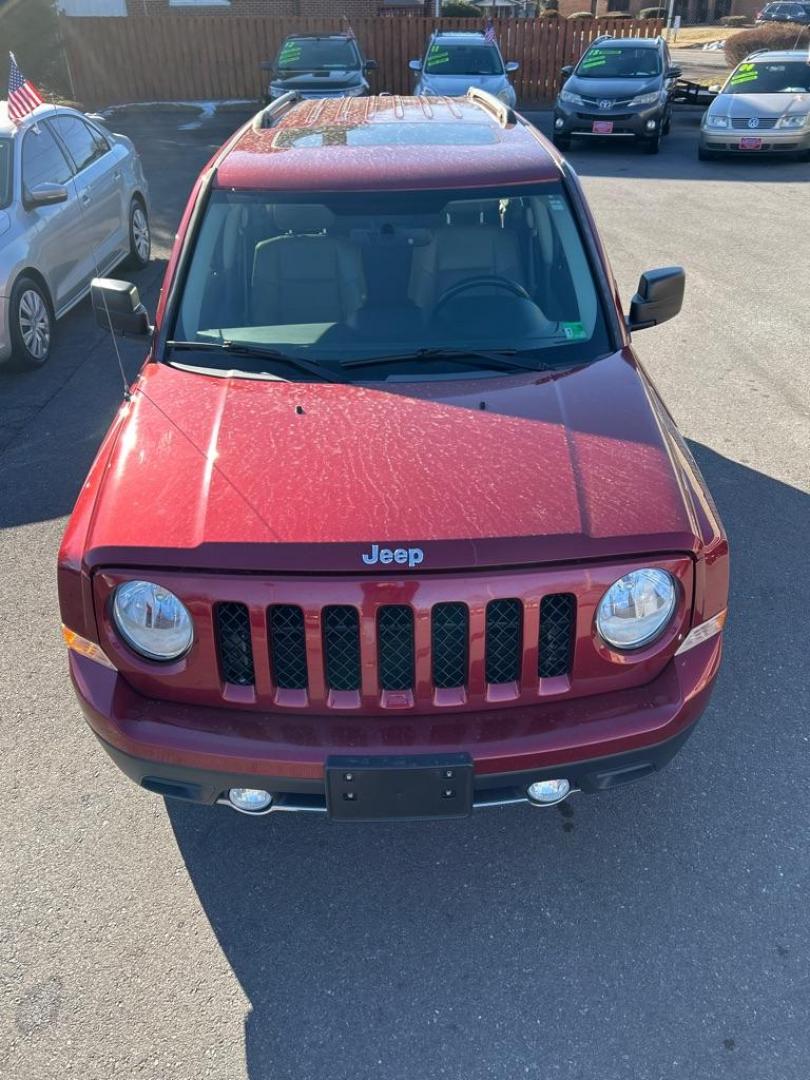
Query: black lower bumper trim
(489, 789)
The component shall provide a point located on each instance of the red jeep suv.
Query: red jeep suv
(392, 524)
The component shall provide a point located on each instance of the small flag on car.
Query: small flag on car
(23, 96)
(489, 33)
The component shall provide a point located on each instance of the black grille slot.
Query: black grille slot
(395, 647)
(504, 640)
(232, 623)
(557, 624)
(450, 632)
(288, 646)
(341, 645)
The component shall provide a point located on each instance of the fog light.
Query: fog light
(559, 122)
(546, 792)
(650, 125)
(249, 800)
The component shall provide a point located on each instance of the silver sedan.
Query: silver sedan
(74, 203)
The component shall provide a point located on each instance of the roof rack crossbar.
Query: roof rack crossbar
(504, 114)
(266, 117)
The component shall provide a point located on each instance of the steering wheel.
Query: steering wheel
(473, 283)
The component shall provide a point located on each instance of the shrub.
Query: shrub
(458, 9)
(581, 15)
(617, 15)
(653, 13)
(733, 20)
(770, 36)
(30, 30)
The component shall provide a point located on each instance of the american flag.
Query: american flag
(23, 96)
(489, 33)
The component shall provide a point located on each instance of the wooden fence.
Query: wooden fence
(217, 57)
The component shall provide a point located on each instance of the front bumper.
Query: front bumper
(579, 120)
(5, 332)
(724, 140)
(198, 753)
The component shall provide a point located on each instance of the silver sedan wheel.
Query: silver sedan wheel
(35, 324)
(140, 233)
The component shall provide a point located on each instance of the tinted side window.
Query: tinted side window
(84, 144)
(42, 159)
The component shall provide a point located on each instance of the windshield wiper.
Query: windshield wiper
(260, 352)
(499, 359)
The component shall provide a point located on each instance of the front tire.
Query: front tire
(140, 237)
(31, 325)
(653, 145)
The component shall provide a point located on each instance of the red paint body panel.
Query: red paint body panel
(264, 492)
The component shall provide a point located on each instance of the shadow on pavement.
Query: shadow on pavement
(474, 949)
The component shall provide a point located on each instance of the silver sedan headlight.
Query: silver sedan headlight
(717, 122)
(795, 120)
(152, 620)
(637, 608)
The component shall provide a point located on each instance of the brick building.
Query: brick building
(336, 8)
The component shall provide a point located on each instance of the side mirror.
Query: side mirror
(117, 307)
(46, 195)
(567, 71)
(512, 65)
(659, 297)
(715, 88)
(415, 65)
(371, 65)
(674, 73)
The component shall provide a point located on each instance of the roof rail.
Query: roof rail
(602, 37)
(266, 117)
(504, 114)
(759, 52)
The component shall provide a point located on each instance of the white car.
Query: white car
(74, 203)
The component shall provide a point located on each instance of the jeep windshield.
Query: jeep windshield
(416, 281)
(317, 54)
(5, 171)
(792, 77)
(605, 62)
(463, 60)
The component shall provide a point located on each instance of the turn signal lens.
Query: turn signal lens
(703, 632)
(86, 648)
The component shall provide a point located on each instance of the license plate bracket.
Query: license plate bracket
(399, 788)
(603, 127)
(750, 142)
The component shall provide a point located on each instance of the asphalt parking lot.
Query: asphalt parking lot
(657, 931)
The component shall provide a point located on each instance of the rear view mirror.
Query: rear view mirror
(46, 195)
(371, 65)
(512, 65)
(567, 71)
(415, 65)
(659, 297)
(117, 307)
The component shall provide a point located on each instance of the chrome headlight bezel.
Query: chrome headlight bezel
(165, 644)
(717, 122)
(793, 121)
(570, 98)
(647, 585)
(651, 98)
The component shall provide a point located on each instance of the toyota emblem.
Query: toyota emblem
(605, 104)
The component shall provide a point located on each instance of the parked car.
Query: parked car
(621, 88)
(454, 62)
(394, 523)
(74, 203)
(785, 12)
(764, 106)
(318, 66)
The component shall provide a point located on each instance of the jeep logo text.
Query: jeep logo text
(403, 556)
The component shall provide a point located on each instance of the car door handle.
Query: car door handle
(85, 196)
(117, 174)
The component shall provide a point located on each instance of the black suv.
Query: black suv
(621, 87)
(798, 13)
(319, 66)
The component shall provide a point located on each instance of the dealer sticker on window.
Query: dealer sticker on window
(574, 331)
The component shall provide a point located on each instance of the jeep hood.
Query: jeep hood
(240, 474)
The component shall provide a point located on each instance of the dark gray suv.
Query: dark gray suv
(319, 66)
(621, 88)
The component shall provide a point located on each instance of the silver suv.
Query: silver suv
(74, 203)
(764, 107)
(455, 61)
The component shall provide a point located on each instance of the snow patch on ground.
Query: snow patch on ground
(206, 109)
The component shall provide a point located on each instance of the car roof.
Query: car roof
(340, 36)
(7, 127)
(776, 54)
(626, 43)
(460, 37)
(346, 144)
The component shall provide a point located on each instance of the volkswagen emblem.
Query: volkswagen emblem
(605, 104)
(753, 122)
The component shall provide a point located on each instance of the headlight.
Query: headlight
(636, 608)
(505, 95)
(717, 122)
(646, 99)
(570, 98)
(795, 120)
(152, 620)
